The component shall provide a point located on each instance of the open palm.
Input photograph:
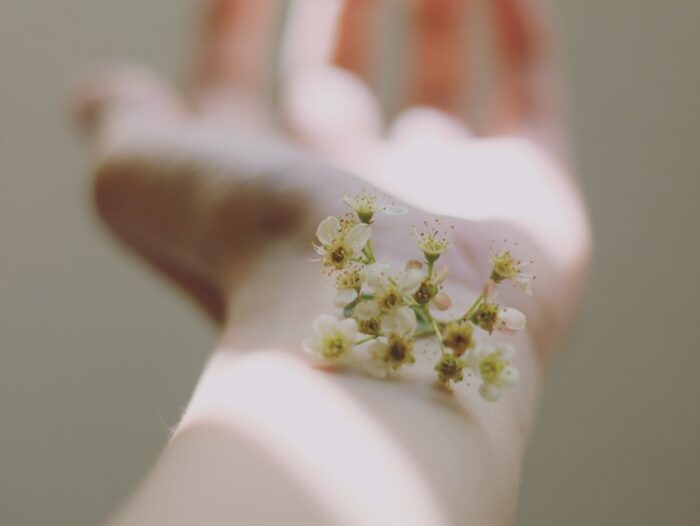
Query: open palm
(200, 186)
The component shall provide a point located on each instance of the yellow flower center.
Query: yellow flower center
(458, 337)
(370, 326)
(390, 300)
(491, 368)
(425, 292)
(485, 316)
(334, 346)
(397, 351)
(504, 266)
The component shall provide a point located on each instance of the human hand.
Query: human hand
(202, 186)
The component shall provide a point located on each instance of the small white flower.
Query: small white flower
(344, 297)
(366, 310)
(367, 314)
(396, 348)
(509, 321)
(505, 266)
(458, 336)
(432, 242)
(376, 365)
(339, 244)
(428, 292)
(332, 339)
(389, 292)
(409, 281)
(490, 316)
(492, 364)
(376, 275)
(400, 322)
(366, 205)
(348, 284)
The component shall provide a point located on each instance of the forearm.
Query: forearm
(333, 447)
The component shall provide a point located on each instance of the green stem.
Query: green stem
(426, 332)
(474, 306)
(435, 327)
(368, 338)
(369, 252)
(430, 268)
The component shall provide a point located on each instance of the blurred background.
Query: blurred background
(97, 358)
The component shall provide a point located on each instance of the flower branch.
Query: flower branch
(384, 312)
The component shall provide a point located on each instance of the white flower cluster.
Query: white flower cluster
(384, 313)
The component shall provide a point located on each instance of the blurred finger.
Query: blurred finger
(237, 45)
(527, 93)
(329, 106)
(438, 61)
(115, 103)
(356, 37)
(310, 34)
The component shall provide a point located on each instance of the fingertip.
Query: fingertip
(327, 105)
(107, 93)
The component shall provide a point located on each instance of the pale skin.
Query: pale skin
(221, 193)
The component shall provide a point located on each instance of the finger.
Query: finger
(327, 106)
(526, 93)
(118, 103)
(237, 45)
(356, 37)
(310, 34)
(438, 61)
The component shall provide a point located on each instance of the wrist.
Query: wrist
(272, 307)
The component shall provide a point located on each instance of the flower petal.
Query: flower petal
(524, 283)
(377, 367)
(509, 376)
(325, 324)
(483, 350)
(328, 230)
(358, 236)
(504, 350)
(376, 276)
(391, 209)
(348, 328)
(366, 310)
(512, 319)
(401, 322)
(410, 280)
(490, 392)
(471, 359)
(441, 301)
(440, 275)
(345, 297)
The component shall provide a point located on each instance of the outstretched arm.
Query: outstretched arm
(224, 201)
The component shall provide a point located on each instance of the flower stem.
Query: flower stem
(369, 252)
(424, 333)
(435, 327)
(368, 338)
(474, 306)
(430, 268)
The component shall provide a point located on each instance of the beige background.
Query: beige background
(98, 359)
